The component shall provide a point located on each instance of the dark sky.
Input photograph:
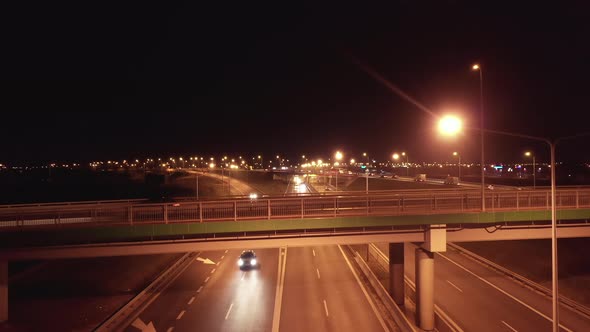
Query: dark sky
(91, 80)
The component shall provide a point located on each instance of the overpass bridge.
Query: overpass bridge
(432, 217)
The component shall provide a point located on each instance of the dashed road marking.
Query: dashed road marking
(191, 300)
(510, 327)
(228, 311)
(452, 284)
(180, 315)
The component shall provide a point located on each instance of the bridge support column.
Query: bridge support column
(424, 289)
(436, 238)
(3, 291)
(396, 272)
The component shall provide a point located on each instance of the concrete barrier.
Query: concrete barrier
(398, 316)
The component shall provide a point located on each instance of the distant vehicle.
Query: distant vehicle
(491, 187)
(420, 178)
(248, 260)
(385, 174)
(452, 180)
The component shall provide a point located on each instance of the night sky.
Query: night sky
(88, 80)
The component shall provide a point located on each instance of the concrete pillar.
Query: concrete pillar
(3, 291)
(424, 289)
(396, 272)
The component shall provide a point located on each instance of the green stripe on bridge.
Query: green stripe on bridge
(145, 232)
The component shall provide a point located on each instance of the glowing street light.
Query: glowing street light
(395, 156)
(529, 154)
(450, 125)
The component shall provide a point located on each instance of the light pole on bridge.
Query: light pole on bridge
(457, 154)
(452, 126)
(529, 154)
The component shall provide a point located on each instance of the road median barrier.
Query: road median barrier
(398, 316)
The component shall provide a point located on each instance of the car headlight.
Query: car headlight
(253, 261)
(240, 262)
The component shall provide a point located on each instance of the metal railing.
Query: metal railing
(374, 204)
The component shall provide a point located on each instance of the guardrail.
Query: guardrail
(378, 204)
(398, 316)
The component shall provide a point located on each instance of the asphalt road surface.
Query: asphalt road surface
(299, 289)
(479, 299)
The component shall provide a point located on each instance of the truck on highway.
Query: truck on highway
(452, 180)
(420, 178)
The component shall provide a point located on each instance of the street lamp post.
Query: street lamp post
(338, 156)
(197, 185)
(483, 200)
(366, 172)
(407, 164)
(395, 156)
(529, 154)
(459, 173)
(452, 125)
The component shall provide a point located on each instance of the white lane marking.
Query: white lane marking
(318, 271)
(510, 327)
(213, 271)
(170, 329)
(225, 252)
(140, 325)
(222, 256)
(191, 300)
(503, 292)
(217, 263)
(228, 311)
(364, 291)
(452, 284)
(326, 308)
(207, 279)
(276, 316)
(313, 251)
(200, 289)
(243, 275)
(180, 315)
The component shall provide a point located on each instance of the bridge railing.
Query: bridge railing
(382, 204)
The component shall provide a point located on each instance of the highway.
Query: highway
(309, 289)
(479, 299)
(298, 185)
